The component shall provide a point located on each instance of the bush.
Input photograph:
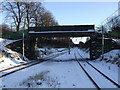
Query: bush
(115, 59)
(108, 61)
(104, 58)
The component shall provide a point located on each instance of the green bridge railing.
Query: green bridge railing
(14, 35)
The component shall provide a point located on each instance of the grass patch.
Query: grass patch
(108, 61)
(33, 81)
(40, 80)
(115, 59)
(40, 76)
(104, 58)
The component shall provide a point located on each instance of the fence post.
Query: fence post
(23, 46)
(102, 42)
(69, 45)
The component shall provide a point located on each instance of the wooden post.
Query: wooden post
(102, 42)
(69, 45)
(90, 48)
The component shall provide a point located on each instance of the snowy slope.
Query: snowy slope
(117, 41)
(108, 65)
(8, 57)
(111, 70)
(113, 56)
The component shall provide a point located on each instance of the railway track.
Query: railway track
(93, 73)
(16, 66)
(34, 61)
(105, 75)
(93, 81)
(115, 83)
(26, 65)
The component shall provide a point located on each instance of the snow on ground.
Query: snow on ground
(9, 58)
(66, 74)
(50, 75)
(111, 70)
(48, 52)
(71, 56)
(117, 41)
(97, 77)
(4, 42)
(113, 56)
(107, 66)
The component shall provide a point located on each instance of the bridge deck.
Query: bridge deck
(62, 33)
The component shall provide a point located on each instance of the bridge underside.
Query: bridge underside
(68, 31)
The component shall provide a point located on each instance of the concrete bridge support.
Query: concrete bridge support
(31, 47)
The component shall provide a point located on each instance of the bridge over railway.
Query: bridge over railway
(62, 31)
(66, 31)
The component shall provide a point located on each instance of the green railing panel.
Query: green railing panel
(13, 34)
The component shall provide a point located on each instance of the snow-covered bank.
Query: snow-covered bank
(9, 58)
(113, 56)
(117, 41)
(4, 42)
(109, 64)
(111, 70)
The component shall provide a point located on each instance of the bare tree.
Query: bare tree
(15, 11)
(114, 23)
(4, 28)
(30, 14)
(48, 19)
(42, 17)
(37, 11)
(26, 14)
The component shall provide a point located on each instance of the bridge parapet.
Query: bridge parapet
(62, 31)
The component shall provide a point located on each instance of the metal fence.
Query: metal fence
(109, 24)
(110, 31)
(14, 35)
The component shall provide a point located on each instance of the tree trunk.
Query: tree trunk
(18, 27)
